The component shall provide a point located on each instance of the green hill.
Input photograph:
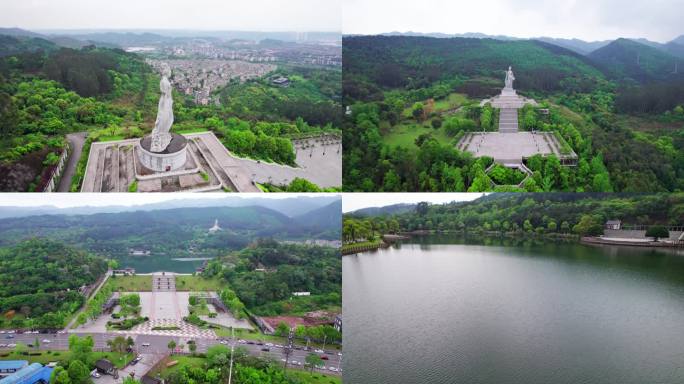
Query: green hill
(626, 59)
(40, 279)
(10, 45)
(415, 62)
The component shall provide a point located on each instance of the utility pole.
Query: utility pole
(232, 353)
(288, 349)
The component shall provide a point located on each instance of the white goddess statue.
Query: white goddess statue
(160, 134)
(509, 78)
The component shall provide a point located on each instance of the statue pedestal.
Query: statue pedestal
(508, 92)
(170, 159)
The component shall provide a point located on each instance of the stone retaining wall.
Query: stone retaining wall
(634, 234)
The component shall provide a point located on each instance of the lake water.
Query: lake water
(447, 310)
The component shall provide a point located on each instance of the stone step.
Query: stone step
(508, 120)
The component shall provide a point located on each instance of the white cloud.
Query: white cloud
(590, 20)
(253, 15)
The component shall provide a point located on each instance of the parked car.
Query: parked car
(266, 349)
(145, 344)
(324, 357)
(318, 351)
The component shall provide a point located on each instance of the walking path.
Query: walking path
(76, 140)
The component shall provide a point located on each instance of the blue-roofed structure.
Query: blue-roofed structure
(35, 373)
(8, 367)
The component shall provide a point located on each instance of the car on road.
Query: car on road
(9, 337)
(339, 353)
(145, 344)
(46, 341)
(333, 369)
(324, 357)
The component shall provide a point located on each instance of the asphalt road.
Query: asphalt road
(159, 345)
(76, 140)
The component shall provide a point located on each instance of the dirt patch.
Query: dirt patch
(18, 176)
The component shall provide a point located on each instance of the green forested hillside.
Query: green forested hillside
(312, 95)
(539, 212)
(419, 62)
(413, 98)
(292, 268)
(629, 60)
(40, 279)
(10, 45)
(167, 232)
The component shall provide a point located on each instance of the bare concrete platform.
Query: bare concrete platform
(112, 167)
(507, 148)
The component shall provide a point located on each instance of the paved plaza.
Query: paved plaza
(165, 307)
(113, 167)
(509, 148)
(319, 160)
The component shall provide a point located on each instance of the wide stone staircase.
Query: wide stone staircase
(163, 283)
(508, 120)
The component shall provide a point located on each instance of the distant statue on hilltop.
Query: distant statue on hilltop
(509, 78)
(160, 134)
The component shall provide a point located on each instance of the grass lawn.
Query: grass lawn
(44, 357)
(406, 133)
(197, 283)
(452, 101)
(138, 283)
(316, 378)
(182, 362)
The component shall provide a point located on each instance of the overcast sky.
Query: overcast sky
(591, 20)
(250, 15)
(353, 201)
(66, 200)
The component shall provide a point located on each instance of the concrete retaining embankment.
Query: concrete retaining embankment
(651, 244)
(634, 234)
